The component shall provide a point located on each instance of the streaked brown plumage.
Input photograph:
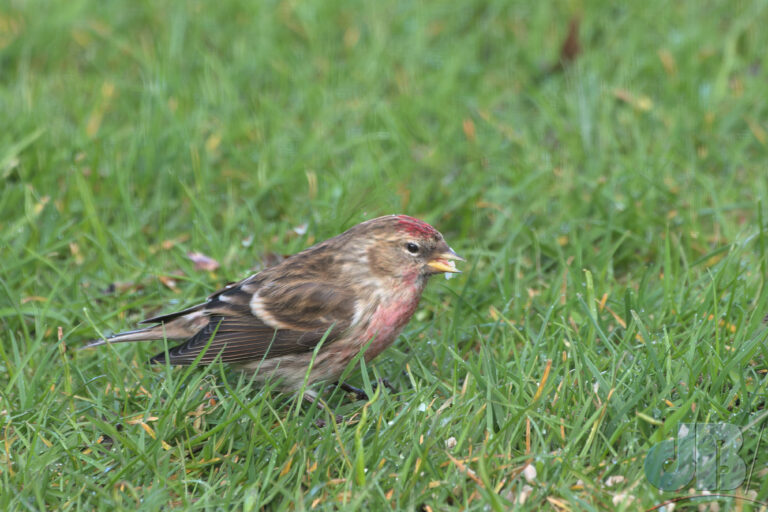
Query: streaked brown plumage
(355, 291)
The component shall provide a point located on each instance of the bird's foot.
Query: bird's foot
(319, 422)
(361, 394)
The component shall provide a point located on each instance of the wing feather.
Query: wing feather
(307, 311)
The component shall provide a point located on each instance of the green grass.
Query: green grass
(613, 216)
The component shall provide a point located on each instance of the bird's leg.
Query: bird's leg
(361, 394)
(385, 382)
(312, 398)
(349, 388)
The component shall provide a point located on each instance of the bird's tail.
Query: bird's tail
(156, 332)
(171, 327)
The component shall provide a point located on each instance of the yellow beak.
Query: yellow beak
(443, 262)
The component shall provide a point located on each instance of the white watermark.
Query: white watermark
(706, 453)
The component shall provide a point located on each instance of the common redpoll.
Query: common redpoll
(354, 292)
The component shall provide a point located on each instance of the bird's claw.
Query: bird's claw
(390, 387)
(320, 422)
(361, 394)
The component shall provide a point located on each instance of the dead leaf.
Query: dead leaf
(203, 262)
(569, 50)
(34, 298)
(571, 47)
(75, 250)
(643, 103)
(301, 229)
(212, 143)
(758, 131)
(169, 244)
(469, 129)
(668, 61)
(40, 205)
(169, 282)
(123, 287)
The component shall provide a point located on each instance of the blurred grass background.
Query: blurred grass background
(607, 189)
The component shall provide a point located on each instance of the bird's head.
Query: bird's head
(405, 247)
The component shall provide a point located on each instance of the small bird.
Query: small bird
(353, 292)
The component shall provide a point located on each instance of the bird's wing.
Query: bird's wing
(234, 287)
(250, 320)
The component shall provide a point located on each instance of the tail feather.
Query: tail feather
(150, 333)
(178, 328)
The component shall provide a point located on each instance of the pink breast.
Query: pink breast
(387, 322)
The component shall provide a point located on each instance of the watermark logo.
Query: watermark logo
(708, 452)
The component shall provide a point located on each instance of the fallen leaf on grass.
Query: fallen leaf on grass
(643, 103)
(123, 287)
(569, 50)
(76, 254)
(301, 229)
(571, 47)
(169, 282)
(469, 129)
(34, 298)
(203, 262)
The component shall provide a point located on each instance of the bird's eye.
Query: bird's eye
(412, 247)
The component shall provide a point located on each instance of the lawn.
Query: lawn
(608, 190)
